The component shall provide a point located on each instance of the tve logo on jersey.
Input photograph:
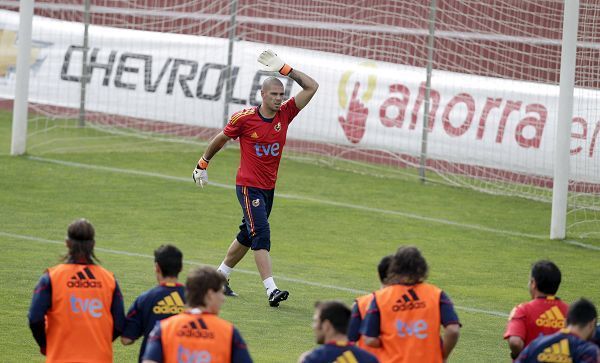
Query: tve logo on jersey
(185, 355)
(267, 149)
(91, 306)
(415, 329)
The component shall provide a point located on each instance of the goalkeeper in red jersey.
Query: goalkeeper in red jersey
(262, 134)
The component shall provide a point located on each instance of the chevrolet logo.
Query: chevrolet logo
(9, 50)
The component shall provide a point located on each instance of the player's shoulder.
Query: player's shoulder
(145, 295)
(319, 354)
(519, 311)
(289, 105)
(152, 293)
(363, 355)
(590, 349)
(242, 115)
(562, 305)
(290, 101)
(526, 305)
(364, 298)
(101, 269)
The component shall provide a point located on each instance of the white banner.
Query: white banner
(474, 120)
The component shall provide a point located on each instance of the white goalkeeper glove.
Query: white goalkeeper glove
(200, 175)
(273, 63)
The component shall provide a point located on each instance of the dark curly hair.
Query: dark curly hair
(408, 266)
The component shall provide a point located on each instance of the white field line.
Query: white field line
(322, 201)
(297, 197)
(283, 278)
(579, 244)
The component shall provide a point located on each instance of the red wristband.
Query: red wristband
(286, 69)
(202, 163)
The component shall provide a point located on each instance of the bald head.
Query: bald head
(270, 82)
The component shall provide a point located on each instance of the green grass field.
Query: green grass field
(329, 230)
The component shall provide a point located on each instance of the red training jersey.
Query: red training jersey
(261, 143)
(543, 315)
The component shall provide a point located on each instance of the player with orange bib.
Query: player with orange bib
(404, 318)
(262, 133)
(360, 307)
(198, 335)
(545, 314)
(77, 307)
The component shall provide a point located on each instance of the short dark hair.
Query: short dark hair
(336, 312)
(547, 276)
(409, 263)
(199, 281)
(170, 260)
(383, 267)
(81, 233)
(581, 312)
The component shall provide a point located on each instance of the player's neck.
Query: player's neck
(541, 295)
(265, 112)
(335, 337)
(166, 280)
(575, 330)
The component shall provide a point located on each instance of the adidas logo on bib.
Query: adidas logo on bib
(409, 301)
(84, 279)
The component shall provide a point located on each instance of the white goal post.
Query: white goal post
(560, 190)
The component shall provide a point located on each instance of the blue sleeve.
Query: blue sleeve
(41, 301)
(239, 350)
(370, 358)
(596, 337)
(117, 309)
(134, 326)
(313, 357)
(354, 324)
(40, 304)
(447, 313)
(590, 354)
(154, 349)
(371, 325)
(522, 358)
(525, 353)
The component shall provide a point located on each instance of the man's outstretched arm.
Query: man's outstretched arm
(273, 63)
(309, 87)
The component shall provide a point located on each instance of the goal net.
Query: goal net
(174, 70)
